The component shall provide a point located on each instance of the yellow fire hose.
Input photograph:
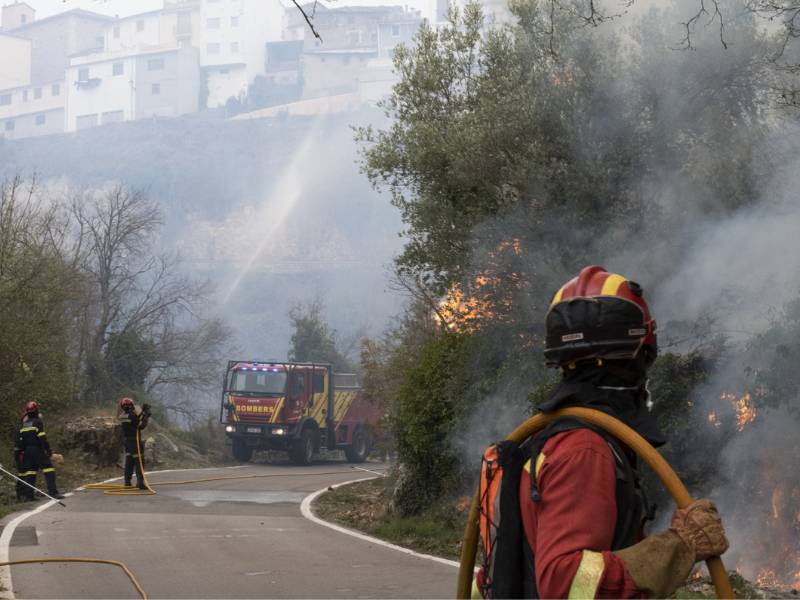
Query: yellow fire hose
(116, 489)
(102, 561)
(628, 437)
(113, 489)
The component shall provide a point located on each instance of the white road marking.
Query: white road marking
(5, 541)
(305, 508)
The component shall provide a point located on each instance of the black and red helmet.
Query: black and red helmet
(599, 315)
(126, 403)
(32, 408)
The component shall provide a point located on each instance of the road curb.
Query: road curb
(5, 541)
(305, 509)
(9, 528)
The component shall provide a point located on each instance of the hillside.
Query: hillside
(274, 211)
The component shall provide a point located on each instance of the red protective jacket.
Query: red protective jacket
(571, 530)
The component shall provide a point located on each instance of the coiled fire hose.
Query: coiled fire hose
(116, 489)
(627, 436)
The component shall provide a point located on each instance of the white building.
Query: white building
(232, 38)
(15, 68)
(132, 84)
(32, 110)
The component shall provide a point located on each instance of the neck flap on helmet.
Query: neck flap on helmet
(617, 388)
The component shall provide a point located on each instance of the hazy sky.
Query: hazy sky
(122, 8)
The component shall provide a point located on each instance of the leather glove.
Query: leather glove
(146, 409)
(700, 527)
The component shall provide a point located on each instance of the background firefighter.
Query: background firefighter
(581, 508)
(133, 421)
(32, 452)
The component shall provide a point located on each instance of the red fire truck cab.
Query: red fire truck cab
(296, 407)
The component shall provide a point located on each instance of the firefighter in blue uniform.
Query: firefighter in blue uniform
(32, 452)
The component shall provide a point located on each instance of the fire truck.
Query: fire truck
(299, 408)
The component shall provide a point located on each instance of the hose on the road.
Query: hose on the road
(627, 436)
(116, 489)
(103, 561)
(121, 490)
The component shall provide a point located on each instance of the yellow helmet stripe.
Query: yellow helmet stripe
(611, 285)
(557, 297)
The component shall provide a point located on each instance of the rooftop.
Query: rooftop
(75, 12)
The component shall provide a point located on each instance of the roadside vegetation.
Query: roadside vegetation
(91, 310)
(520, 153)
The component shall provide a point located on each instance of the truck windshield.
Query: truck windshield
(269, 383)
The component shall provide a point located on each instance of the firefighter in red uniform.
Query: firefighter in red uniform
(34, 453)
(582, 518)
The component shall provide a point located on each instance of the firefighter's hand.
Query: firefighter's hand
(146, 408)
(700, 527)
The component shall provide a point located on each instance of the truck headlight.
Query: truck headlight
(279, 431)
(230, 428)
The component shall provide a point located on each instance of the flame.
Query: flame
(768, 578)
(712, 418)
(461, 311)
(777, 496)
(743, 408)
(468, 309)
(745, 411)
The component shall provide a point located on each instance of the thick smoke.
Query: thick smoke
(714, 268)
(273, 212)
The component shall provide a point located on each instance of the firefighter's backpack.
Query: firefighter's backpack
(508, 569)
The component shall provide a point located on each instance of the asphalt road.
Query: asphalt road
(222, 539)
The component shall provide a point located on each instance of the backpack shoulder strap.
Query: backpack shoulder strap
(536, 442)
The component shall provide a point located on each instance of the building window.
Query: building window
(86, 121)
(114, 116)
(355, 37)
(395, 30)
(234, 21)
(23, 19)
(224, 71)
(37, 93)
(116, 31)
(117, 68)
(5, 99)
(55, 89)
(24, 95)
(9, 125)
(140, 25)
(83, 74)
(212, 49)
(235, 47)
(155, 88)
(99, 41)
(155, 64)
(212, 23)
(40, 119)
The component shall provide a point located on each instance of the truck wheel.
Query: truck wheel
(302, 451)
(358, 450)
(241, 451)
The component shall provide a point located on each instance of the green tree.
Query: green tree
(40, 294)
(313, 340)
